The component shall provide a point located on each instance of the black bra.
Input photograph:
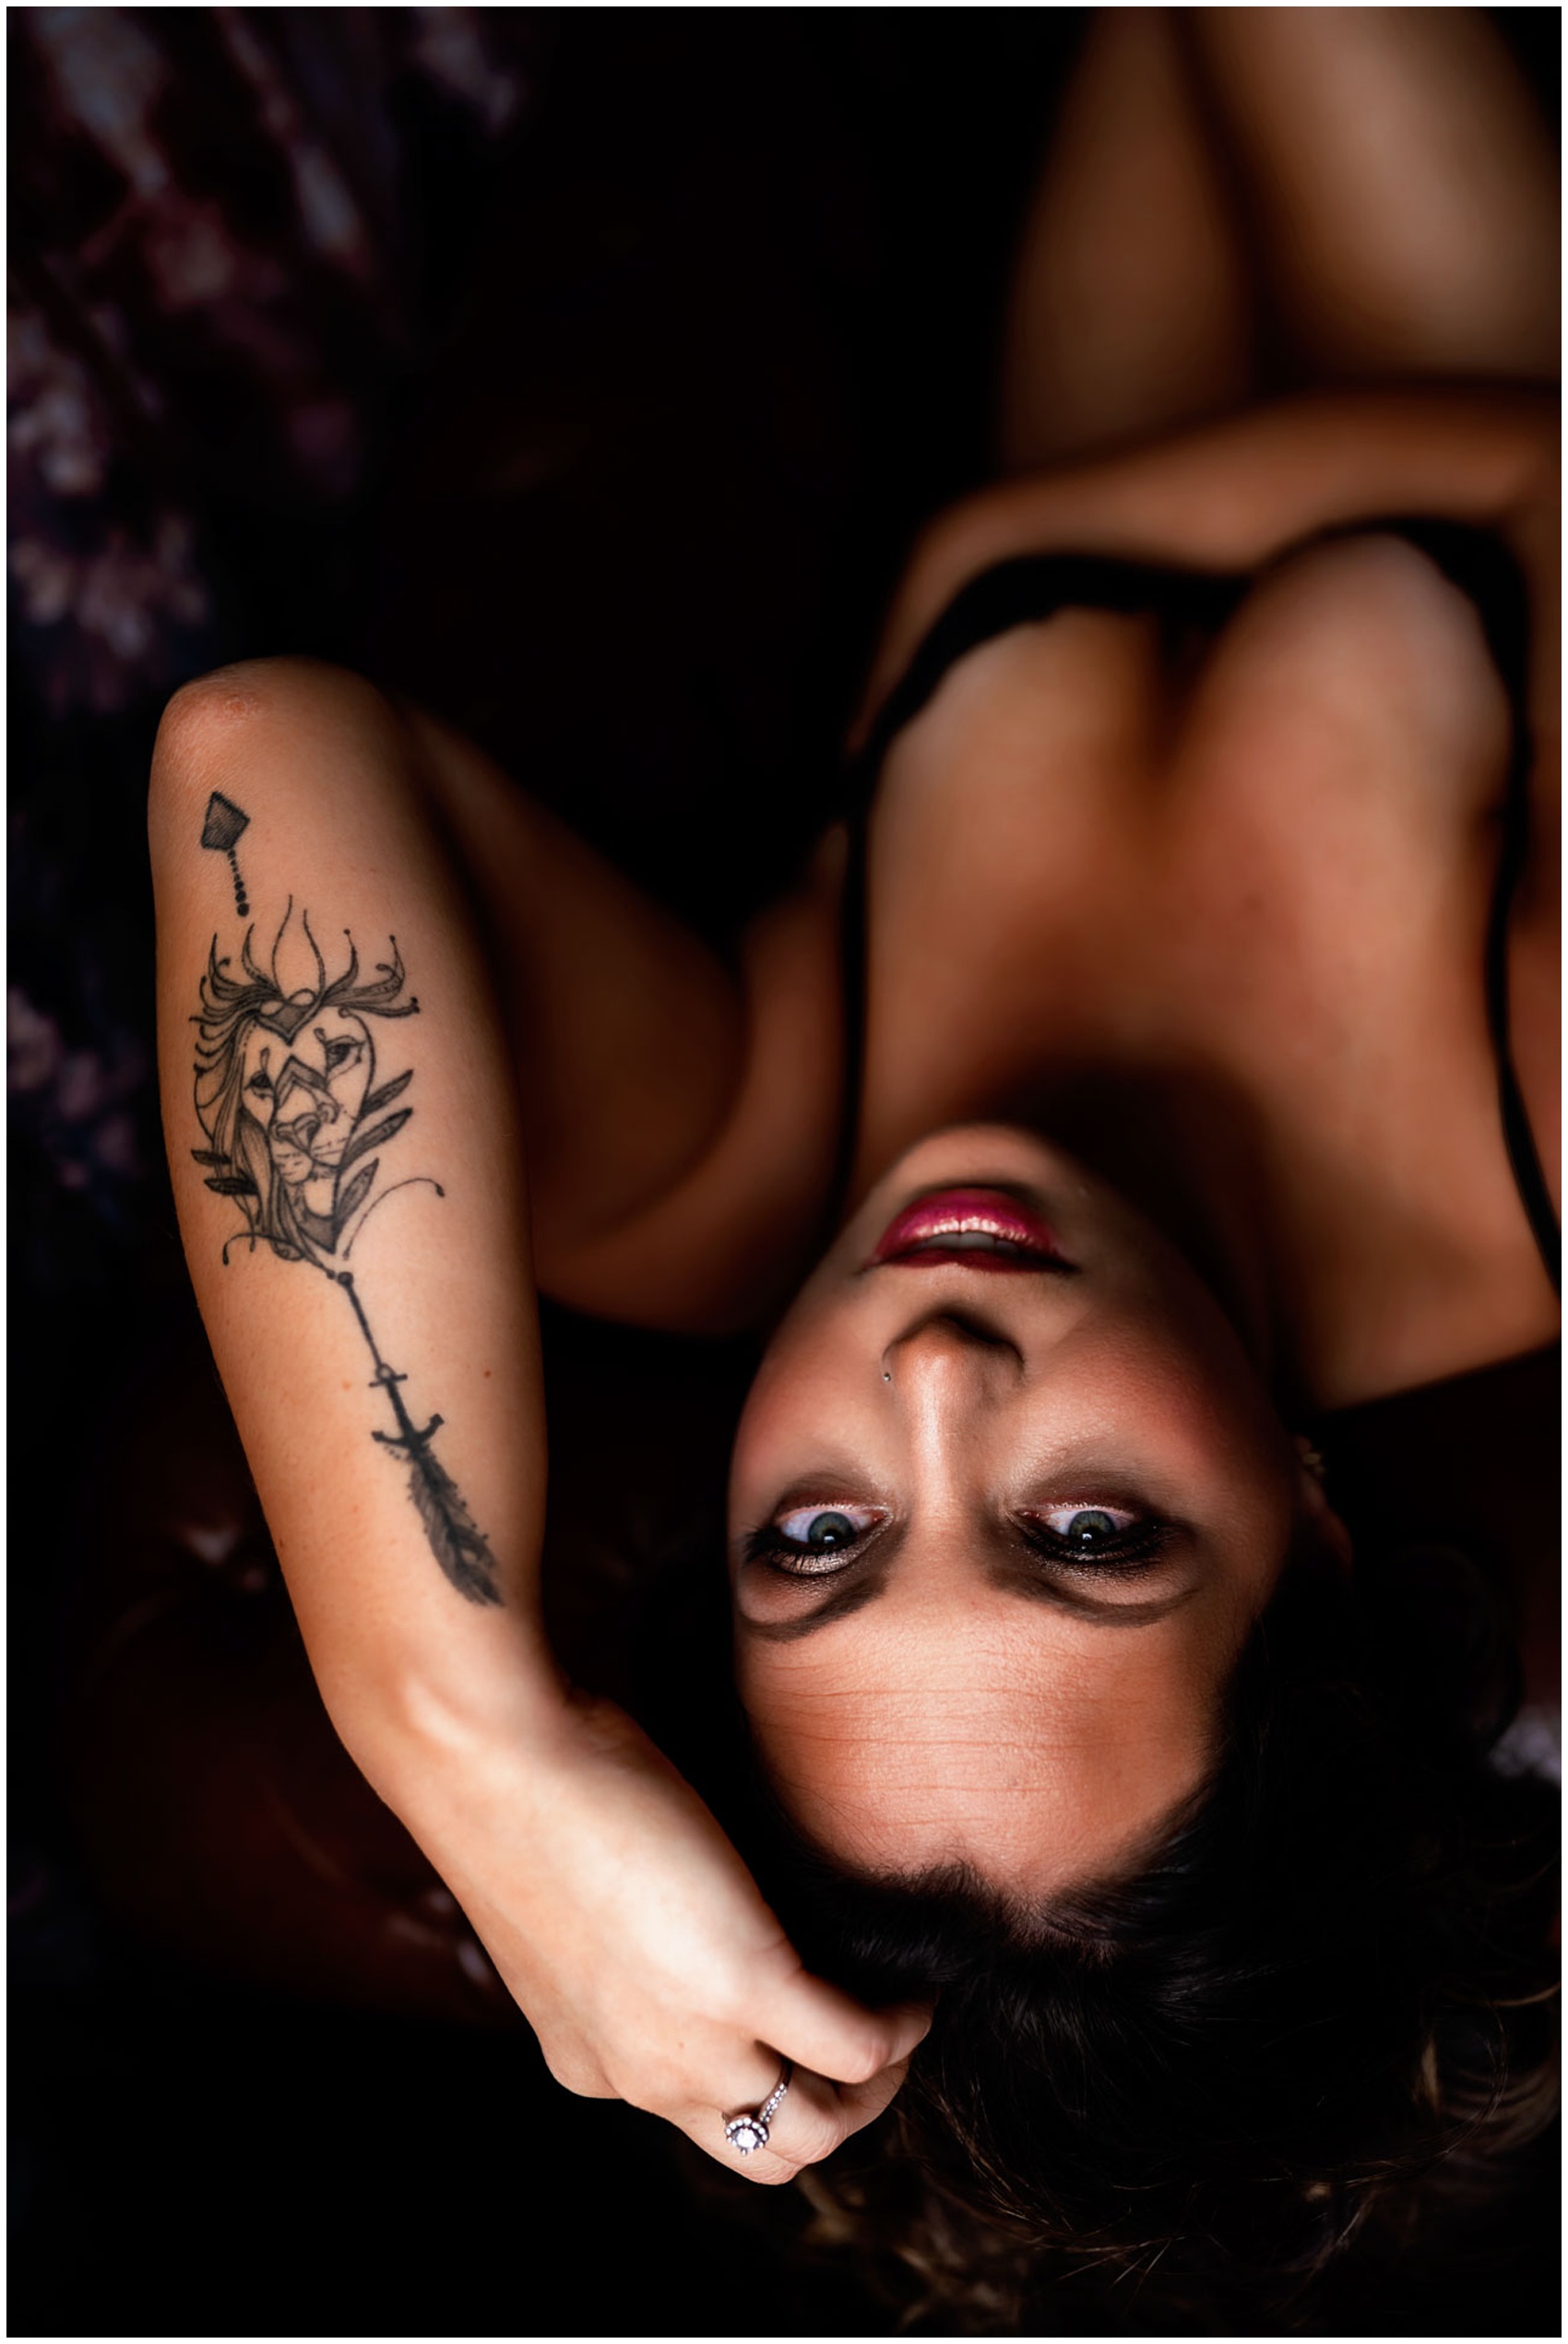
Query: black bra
(1036, 586)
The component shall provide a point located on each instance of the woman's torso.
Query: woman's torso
(1216, 912)
(1213, 902)
(1210, 901)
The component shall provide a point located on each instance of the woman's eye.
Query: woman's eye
(822, 1529)
(1088, 1528)
(338, 1054)
(1088, 1536)
(261, 1084)
(812, 1538)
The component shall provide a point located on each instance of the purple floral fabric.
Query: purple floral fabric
(233, 231)
(215, 249)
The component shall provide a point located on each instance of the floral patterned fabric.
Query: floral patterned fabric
(215, 280)
(231, 235)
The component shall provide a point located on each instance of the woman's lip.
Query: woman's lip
(1022, 1238)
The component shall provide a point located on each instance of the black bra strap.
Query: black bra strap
(1484, 570)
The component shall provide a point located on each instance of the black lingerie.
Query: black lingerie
(1036, 586)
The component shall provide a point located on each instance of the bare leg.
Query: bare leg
(1247, 200)
(1401, 184)
(1131, 308)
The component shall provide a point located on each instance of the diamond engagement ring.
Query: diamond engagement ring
(749, 2130)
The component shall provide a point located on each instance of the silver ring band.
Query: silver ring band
(749, 2130)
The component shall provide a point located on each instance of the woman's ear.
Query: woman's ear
(1312, 1499)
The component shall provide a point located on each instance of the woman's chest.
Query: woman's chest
(1253, 879)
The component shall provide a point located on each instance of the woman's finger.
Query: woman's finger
(577, 2070)
(808, 2124)
(821, 2029)
(863, 2103)
(826, 2113)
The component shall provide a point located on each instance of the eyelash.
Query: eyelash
(1139, 1548)
(769, 1546)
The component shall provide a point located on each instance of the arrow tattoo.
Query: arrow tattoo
(295, 1123)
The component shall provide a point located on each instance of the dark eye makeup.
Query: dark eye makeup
(1092, 1540)
(814, 1542)
(818, 1541)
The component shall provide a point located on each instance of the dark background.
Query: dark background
(583, 374)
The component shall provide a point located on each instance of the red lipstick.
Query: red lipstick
(978, 1228)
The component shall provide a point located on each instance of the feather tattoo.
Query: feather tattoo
(457, 1545)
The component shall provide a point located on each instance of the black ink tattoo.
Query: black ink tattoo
(286, 1093)
(288, 1101)
(222, 832)
(458, 1546)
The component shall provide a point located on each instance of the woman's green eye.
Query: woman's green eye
(1096, 1538)
(1091, 1527)
(830, 1529)
(825, 1532)
(807, 1532)
(1086, 1530)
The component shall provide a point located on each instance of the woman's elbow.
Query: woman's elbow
(279, 712)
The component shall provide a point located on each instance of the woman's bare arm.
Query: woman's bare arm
(680, 1121)
(347, 1154)
(348, 1167)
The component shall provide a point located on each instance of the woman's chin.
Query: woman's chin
(974, 1154)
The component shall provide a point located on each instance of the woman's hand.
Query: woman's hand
(633, 1939)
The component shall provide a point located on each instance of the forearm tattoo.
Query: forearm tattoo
(295, 1119)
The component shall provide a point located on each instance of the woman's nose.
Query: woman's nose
(951, 1344)
(945, 1374)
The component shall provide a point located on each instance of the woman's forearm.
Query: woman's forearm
(341, 1120)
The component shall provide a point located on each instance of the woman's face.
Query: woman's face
(1006, 1497)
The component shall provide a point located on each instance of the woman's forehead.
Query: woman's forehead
(1035, 1785)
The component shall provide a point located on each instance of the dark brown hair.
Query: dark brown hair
(1318, 2023)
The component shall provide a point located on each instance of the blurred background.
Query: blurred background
(584, 374)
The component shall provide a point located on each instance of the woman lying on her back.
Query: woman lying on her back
(1198, 878)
